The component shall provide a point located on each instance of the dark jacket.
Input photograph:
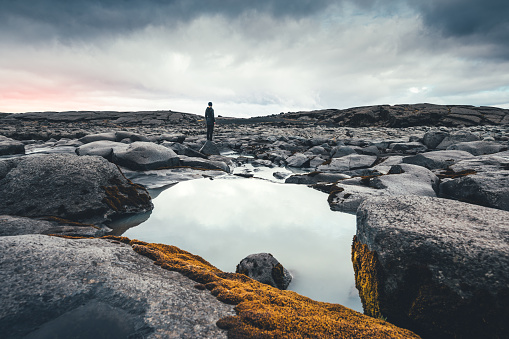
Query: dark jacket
(209, 116)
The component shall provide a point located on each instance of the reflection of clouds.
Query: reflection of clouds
(226, 220)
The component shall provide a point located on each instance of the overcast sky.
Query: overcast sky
(251, 57)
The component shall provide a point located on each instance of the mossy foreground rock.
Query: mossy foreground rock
(87, 189)
(438, 267)
(93, 288)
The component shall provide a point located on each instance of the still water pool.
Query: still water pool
(225, 219)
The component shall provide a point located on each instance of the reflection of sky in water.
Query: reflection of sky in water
(225, 219)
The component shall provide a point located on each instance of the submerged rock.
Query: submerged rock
(79, 188)
(263, 267)
(439, 267)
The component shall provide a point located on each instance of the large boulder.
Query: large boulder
(10, 146)
(102, 148)
(479, 147)
(436, 266)
(144, 156)
(263, 267)
(87, 189)
(93, 288)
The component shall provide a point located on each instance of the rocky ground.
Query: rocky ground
(71, 173)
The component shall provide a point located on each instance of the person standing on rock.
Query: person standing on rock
(210, 121)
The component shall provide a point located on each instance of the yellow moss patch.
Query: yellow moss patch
(367, 270)
(264, 311)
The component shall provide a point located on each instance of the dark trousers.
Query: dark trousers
(210, 130)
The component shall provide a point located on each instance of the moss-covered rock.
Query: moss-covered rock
(436, 266)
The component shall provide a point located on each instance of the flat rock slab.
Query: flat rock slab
(439, 267)
(96, 289)
(12, 225)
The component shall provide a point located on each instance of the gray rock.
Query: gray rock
(144, 156)
(437, 159)
(181, 149)
(12, 225)
(209, 148)
(10, 146)
(441, 267)
(403, 179)
(486, 182)
(263, 267)
(298, 160)
(110, 136)
(102, 148)
(93, 288)
(478, 147)
(341, 151)
(348, 162)
(457, 137)
(172, 137)
(86, 189)
(407, 147)
(433, 138)
(132, 137)
(200, 163)
(315, 177)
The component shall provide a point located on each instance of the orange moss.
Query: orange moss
(264, 311)
(367, 270)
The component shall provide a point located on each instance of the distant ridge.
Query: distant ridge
(396, 116)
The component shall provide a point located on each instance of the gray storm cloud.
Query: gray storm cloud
(256, 57)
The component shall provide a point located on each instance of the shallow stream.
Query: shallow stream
(227, 218)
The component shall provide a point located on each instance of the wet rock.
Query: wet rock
(298, 160)
(144, 156)
(209, 148)
(102, 148)
(85, 189)
(348, 162)
(437, 159)
(10, 146)
(315, 177)
(130, 136)
(479, 147)
(457, 137)
(94, 288)
(439, 267)
(263, 267)
(200, 163)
